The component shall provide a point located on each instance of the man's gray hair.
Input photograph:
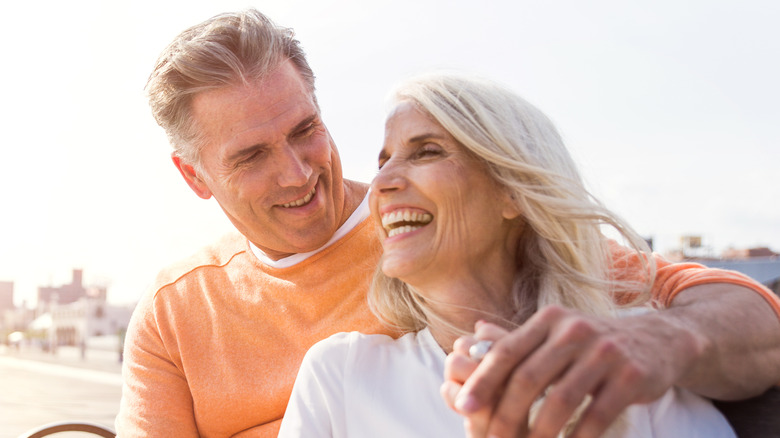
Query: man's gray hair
(229, 49)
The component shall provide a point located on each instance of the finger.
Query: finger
(476, 424)
(449, 391)
(488, 332)
(609, 402)
(601, 413)
(458, 367)
(486, 384)
(567, 398)
(545, 367)
(462, 344)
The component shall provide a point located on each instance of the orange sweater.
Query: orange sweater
(214, 348)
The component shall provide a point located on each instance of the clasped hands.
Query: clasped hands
(566, 357)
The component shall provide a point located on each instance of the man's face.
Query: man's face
(269, 162)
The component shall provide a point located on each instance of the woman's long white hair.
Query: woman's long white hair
(563, 256)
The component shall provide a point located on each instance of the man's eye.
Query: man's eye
(305, 130)
(250, 158)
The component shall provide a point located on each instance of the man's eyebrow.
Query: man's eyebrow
(304, 123)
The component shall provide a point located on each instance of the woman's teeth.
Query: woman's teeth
(404, 221)
(303, 201)
(402, 230)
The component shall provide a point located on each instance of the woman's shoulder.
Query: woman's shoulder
(357, 340)
(353, 347)
(343, 343)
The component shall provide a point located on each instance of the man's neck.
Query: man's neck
(354, 193)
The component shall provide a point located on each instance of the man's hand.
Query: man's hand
(565, 356)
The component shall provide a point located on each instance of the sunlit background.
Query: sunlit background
(670, 107)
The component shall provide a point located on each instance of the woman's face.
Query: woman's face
(441, 213)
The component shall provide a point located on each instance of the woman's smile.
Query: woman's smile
(403, 221)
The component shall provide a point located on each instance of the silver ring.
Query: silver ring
(479, 350)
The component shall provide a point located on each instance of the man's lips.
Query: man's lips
(302, 201)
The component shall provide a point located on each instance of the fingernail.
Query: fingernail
(466, 403)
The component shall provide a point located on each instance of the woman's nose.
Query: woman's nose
(389, 178)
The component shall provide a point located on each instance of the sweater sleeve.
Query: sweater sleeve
(156, 399)
(673, 278)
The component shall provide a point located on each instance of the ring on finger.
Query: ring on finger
(479, 350)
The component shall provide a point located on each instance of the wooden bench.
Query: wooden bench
(69, 426)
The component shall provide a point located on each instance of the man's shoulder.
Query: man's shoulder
(219, 253)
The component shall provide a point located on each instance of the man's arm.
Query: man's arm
(739, 336)
(720, 340)
(156, 399)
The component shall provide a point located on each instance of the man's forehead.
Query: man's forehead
(272, 106)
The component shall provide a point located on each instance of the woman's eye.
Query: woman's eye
(428, 151)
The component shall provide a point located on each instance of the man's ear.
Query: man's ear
(195, 182)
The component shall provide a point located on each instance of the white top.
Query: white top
(356, 385)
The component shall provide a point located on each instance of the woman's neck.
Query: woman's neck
(460, 301)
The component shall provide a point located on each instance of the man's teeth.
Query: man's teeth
(404, 221)
(302, 201)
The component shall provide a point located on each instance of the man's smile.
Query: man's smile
(303, 201)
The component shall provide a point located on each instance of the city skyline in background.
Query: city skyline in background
(669, 109)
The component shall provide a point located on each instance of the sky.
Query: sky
(670, 108)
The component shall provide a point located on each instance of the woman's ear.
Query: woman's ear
(511, 210)
(195, 182)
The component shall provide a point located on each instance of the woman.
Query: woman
(484, 218)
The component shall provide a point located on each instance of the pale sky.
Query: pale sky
(671, 109)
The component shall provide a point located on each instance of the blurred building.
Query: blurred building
(6, 296)
(9, 320)
(75, 323)
(72, 314)
(67, 293)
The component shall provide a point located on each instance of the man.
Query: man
(214, 347)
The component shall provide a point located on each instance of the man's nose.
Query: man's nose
(294, 170)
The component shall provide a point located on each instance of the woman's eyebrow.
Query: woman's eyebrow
(426, 136)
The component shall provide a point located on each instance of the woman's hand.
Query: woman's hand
(459, 365)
